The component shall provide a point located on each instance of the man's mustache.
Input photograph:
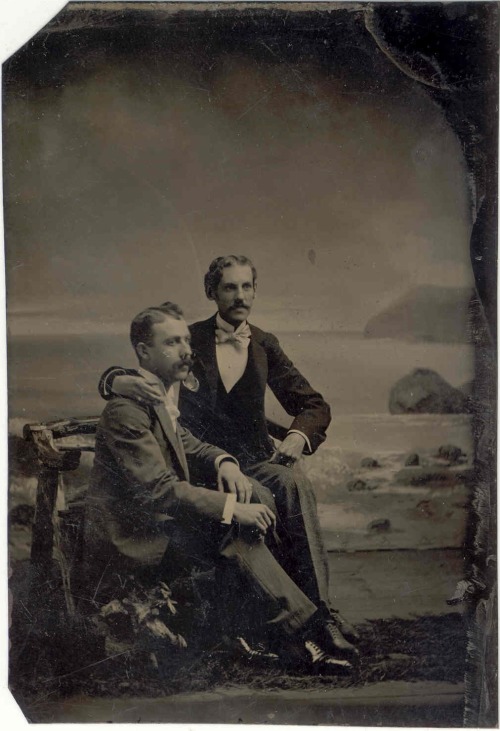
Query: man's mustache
(187, 361)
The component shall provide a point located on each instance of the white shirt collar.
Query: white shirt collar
(223, 325)
(168, 396)
(153, 379)
(171, 396)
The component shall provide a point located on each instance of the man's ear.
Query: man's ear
(142, 351)
(210, 294)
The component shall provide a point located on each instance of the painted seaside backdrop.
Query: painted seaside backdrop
(128, 168)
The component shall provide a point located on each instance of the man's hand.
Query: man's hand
(137, 388)
(290, 449)
(255, 515)
(231, 479)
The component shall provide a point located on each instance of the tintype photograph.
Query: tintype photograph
(251, 307)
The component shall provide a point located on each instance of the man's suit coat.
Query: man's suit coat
(141, 476)
(270, 366)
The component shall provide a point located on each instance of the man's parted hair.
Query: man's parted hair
(214, 274)
(141, 329)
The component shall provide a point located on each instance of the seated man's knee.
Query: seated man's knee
(261, 494)
(293, 484)
(286, 479)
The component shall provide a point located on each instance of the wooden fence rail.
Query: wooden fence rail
(50, 536)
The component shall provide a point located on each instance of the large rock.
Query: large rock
(451, 453)
(412, 460)
(424, 391)
(431, 313)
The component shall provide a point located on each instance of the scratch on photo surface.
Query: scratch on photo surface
(252, 106)
(26, 609)
(85, 667)
(99, 582)
(294, 71)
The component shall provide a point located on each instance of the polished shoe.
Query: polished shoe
(255, 653)
(305, 655)
(344, 626)
(335, 642)
(321, 663)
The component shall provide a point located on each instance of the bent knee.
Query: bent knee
(286, 478)
(293, 482)
(261, 494)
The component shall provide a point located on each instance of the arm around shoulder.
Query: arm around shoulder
(105, 386)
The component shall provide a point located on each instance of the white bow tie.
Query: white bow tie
(239, 340)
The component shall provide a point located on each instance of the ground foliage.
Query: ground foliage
(54, 655)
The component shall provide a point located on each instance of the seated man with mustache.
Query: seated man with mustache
(142, 506)
(234, 362)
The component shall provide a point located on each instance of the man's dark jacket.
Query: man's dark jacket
(209, 414)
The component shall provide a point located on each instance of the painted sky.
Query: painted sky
(124, 182)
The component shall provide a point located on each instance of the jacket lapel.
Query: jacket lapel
(207, 359)
(168, 429)
(259, 356)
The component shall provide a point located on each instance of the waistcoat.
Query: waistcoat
(241, 425)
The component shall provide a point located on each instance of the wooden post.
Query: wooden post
(46, 530)
(42, 540)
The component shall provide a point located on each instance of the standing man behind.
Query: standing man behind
(224, 404)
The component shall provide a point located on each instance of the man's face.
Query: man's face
(169, 354)
(235, 293)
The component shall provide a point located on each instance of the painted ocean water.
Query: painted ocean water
(57, 376)
(54, 376)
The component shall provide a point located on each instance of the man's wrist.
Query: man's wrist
(228, 512)
(225, 458)
(307, 443)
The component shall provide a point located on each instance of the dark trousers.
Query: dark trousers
(301, 551)
(252, 593)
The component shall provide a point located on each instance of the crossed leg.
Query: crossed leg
(302, 551)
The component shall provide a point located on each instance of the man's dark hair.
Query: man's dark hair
(214, 274)
(142, 324)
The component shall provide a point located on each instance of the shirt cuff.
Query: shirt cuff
(107, 388)
(308, 443)
(222, 458)
(227, 515)
(191, 383)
